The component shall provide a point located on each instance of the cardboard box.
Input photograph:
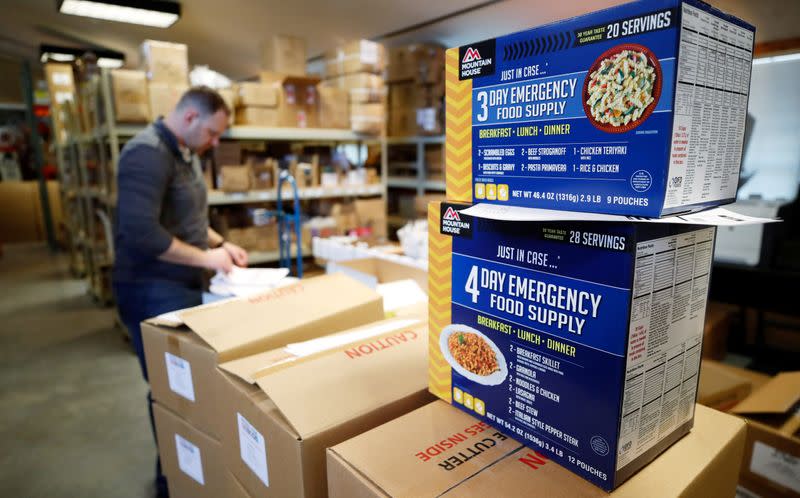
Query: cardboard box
(374, 271)
(771, 465)
(284, 54)
(61, 86)
(334, 110)
(362, 88)
(131, 103)
(306, 174)
(21, 208)
(415, 121)
(236, 489)
(191, 460)
(419, 62)
(164, 97)
(263, 175)
(165, 62)
(673, 151)
(229, 96)
(439, 451)
(722, 388)
(368, 118)
(371, 213)
(412, 95)
(257, 116)
(235, 178)
(266, 237)
(559, 335)
(254, 93)
(298, 102)
(361, 56)
(246, 238)
(719, 317)
(182, 356)
(403, 287)
(274, 440)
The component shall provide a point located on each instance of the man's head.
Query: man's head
(199, 119)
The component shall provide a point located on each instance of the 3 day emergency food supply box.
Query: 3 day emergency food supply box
(581, 339)
(636, 110)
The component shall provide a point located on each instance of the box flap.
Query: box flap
(776, 396)
(246, 368)
(720, 388)
(251, 367)
(239, 327)
(329, 388)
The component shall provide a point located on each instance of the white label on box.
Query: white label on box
(253, 449)
(670, 288)
(63, 79)
(190, 460)
(775, 465)
(179, 374)
(369, 52)
(713, 82)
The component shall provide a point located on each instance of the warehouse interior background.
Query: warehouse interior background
(73, 416)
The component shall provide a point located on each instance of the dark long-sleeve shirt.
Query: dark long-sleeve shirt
(161, 194)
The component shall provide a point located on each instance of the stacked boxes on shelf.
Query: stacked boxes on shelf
(537, 316)
(167, 68)
(256, 103)
(353, 72)
(415, 75)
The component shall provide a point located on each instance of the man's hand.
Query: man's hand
(237, 254)
(218, 259)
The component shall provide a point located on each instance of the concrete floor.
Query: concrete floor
(73, 413)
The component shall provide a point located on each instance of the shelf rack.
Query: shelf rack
(88, 169)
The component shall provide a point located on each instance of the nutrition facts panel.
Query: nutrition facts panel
(714, 65)
(666, 332)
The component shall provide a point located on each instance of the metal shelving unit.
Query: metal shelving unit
(92, 190)
(420, 182)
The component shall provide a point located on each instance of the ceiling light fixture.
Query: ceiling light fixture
(105, 57)
(776, 58)
(156, 13)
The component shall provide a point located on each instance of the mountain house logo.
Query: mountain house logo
(471, 55)
(455, 223)
(476, 60)
(451, 214)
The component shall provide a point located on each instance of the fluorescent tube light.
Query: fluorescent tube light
(776, 58)
(159, 14)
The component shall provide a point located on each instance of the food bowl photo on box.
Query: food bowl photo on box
(622, 88)
(473, 355)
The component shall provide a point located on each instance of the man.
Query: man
(161, 234)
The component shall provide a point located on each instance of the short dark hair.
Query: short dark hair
(206, 100)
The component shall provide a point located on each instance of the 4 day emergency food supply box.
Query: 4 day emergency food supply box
(636, 110)
(581, 339)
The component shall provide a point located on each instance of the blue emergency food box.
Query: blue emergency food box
(580, 339)
(635, 110)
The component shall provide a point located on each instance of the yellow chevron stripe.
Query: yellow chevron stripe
(458, 133)
(459, 150)
(457, 119)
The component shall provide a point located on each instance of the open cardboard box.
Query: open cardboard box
(771, 465)
(183, 350)
(723, 386)
(439, 450)
(281, 409)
